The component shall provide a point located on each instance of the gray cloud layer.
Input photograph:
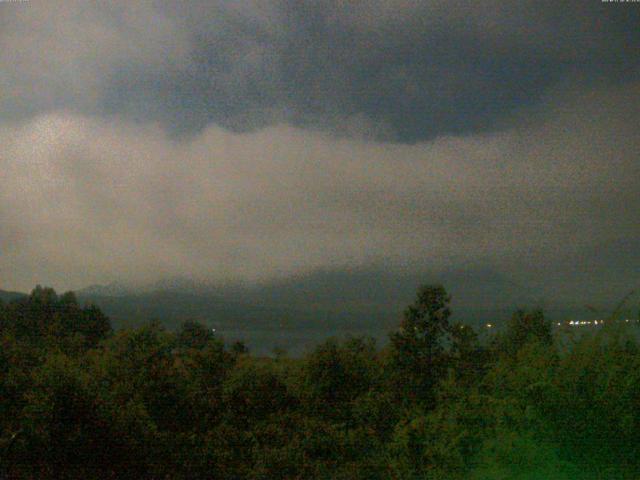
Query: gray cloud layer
(86, 199)
(257, 139)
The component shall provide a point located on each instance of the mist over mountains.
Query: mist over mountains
(296, 312)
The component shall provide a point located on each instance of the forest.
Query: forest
(80, 400)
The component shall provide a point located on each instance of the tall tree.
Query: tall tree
(418, 347)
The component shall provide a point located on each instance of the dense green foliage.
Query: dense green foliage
(80, 401)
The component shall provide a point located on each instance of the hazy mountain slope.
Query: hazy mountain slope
(304, 309)
(7, 296)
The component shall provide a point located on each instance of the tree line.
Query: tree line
(81, 401)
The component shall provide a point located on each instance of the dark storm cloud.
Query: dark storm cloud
(253, 140)
(419, 69)
(393, 70)
(86, 199)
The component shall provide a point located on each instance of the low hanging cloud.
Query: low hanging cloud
(87, 199)
(409, 70)
(250, 140)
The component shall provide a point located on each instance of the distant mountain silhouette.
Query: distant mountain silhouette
(114, 289)
(300, 310)
(318, 304)
(6, 296)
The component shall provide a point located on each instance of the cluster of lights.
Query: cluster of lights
(577, 323)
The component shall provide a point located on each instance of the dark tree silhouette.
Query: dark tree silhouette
(418, 347)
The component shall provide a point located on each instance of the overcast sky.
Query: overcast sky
(252, 140)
